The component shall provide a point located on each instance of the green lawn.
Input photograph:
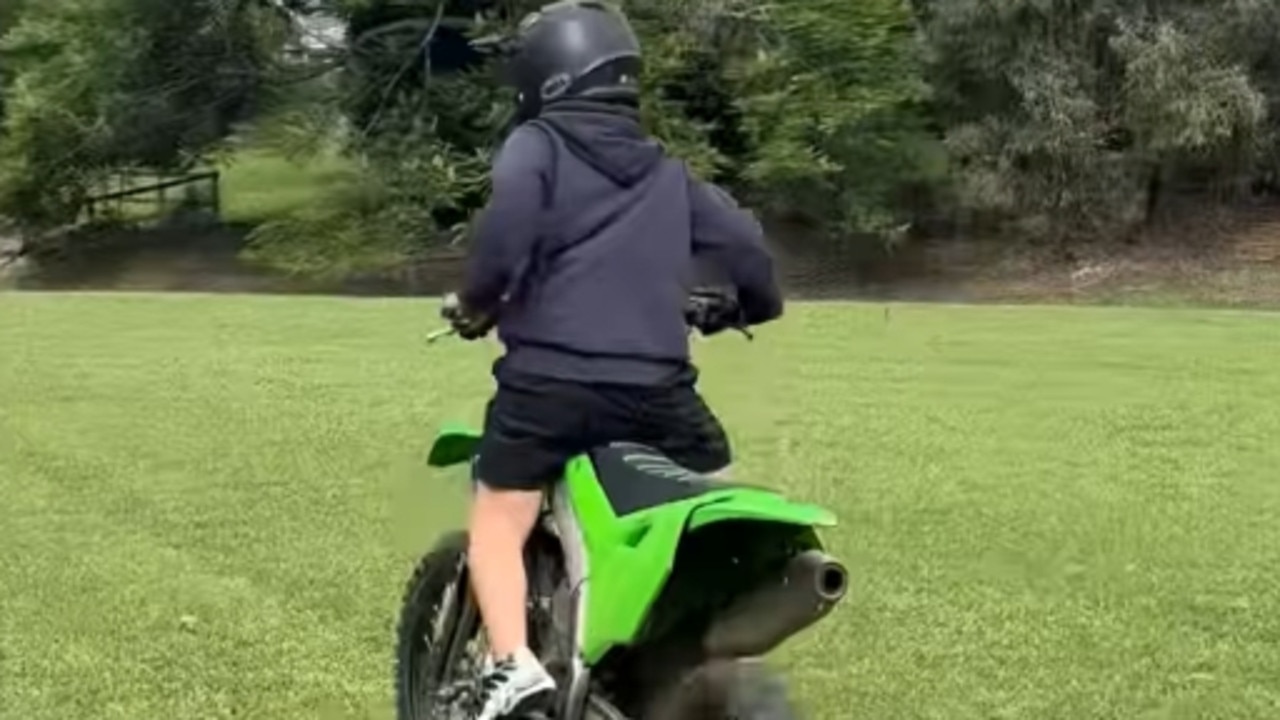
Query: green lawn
(260, 185)
(208, 505)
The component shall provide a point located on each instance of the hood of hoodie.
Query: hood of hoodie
(607, 137)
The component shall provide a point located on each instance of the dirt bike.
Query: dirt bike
(653, 591)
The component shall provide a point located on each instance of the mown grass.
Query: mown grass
(209, 504)
(260, 184)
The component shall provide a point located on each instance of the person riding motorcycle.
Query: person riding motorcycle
(583, 260)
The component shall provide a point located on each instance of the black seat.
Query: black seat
(636, 477)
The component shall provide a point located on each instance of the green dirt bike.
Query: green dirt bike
(653, 592)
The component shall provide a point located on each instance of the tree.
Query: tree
(1068, 119)
(1056, 121)
(834, 104)
(745, 90)
(9, 11)
(97, 86)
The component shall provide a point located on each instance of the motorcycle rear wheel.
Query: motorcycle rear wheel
(439, 643)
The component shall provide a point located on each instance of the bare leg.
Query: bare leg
(501, 521)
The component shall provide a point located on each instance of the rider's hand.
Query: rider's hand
(469, 325)
(712, 312)
(714, 323)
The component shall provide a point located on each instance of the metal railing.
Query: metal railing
(163, 194)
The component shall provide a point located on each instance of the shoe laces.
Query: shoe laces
(497, 675)
(483, 688)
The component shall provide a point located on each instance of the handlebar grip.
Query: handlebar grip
(711, 311)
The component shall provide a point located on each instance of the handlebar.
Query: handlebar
(707, 310)
(713, 310)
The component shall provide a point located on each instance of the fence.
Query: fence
(163, 194)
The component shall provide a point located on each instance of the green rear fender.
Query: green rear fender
(630, 557)
(754, 505)
(454, 445)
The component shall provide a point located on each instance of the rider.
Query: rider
(584, 260)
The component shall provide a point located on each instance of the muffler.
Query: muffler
(808, 587)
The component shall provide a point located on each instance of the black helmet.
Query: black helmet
(574, 48)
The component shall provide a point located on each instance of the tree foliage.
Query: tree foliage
(1049, 120)
(1072, 119)
(99, 85)
(746, 91)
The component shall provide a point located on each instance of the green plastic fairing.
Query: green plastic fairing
(629, 558)
(763, 507)
(454, 445)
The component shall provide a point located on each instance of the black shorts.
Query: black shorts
(534, 425)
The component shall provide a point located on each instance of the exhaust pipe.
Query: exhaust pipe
(808, 588)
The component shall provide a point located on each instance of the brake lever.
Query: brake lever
(746, 332)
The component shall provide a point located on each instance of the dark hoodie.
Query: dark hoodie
(586, 250)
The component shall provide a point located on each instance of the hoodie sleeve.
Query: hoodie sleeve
(733, 239)
(508, 226)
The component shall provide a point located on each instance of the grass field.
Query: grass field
(208, 505)
(259, 185)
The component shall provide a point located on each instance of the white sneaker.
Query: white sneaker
(515, 686)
